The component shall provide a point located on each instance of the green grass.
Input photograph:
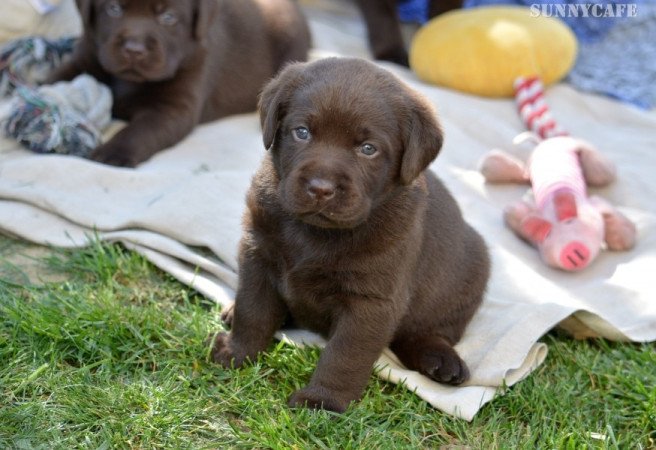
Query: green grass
(113, 357)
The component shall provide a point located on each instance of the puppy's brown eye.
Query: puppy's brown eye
(168, 18)
(368, 149)
(301, 134)
(114, 9)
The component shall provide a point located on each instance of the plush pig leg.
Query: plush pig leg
(500, 167)
(619, 231)
(525, 221)
(516, 212)
(597, 169)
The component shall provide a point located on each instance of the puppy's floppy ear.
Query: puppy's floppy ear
(274, 98)
(85, 7)
(422, 139)
(204, 14)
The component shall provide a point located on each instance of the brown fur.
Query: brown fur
(369, 251)
(384, 30)
(212, 61)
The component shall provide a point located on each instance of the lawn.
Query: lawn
(106, 351)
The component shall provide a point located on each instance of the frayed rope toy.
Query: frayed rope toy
(64, 118)
(28, 61)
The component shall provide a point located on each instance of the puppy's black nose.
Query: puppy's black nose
(134, 47)
(320, 189)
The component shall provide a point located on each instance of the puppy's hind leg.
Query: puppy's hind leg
(433, 356)
(384, 30)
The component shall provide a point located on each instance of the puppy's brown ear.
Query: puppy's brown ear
(274, 98)
(422, 138)
(203, 17)
(85, 7)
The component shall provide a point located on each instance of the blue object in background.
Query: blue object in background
(413, 11)
(622, 64)
(587, 29)
(617, 55)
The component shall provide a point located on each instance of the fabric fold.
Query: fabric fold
(182, 210)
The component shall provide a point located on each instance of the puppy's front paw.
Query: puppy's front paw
(224, 352)
(113, 156)
(317, 397)
(445, 367)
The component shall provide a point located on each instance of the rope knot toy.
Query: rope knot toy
(30, 60)
(64, 118)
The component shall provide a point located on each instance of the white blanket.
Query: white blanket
(182, 210)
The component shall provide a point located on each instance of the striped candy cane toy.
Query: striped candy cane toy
(529, 95)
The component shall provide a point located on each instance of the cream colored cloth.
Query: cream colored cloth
(182, 209)
(49, 18)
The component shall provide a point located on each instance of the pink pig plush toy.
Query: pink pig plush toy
(568, 227)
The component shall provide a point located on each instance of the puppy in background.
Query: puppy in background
(384, 29)
(173, 64)
(348, 234)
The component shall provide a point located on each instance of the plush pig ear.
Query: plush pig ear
(535, 229)
(565, 205)
(597, 170)
(422, 140)
(274, 99)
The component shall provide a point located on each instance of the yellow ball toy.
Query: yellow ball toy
(483, 50)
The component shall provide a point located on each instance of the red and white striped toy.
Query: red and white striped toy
(533, 109)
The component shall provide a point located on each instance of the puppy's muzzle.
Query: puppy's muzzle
(320, 189)
(134, 48)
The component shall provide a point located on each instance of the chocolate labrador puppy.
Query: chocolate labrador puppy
(172, 64)
(347, 233)
(384, 30)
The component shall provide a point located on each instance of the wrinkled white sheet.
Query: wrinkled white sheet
(182, 210)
